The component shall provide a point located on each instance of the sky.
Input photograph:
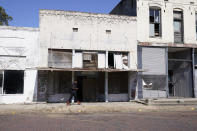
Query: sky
(25, 13)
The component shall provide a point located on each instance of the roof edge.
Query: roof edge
(19, 28)
(63, 12)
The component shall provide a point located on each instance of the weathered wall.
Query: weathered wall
(18, 48)
(19, 51)
(167, 20)
(189, 8)
(56, 31)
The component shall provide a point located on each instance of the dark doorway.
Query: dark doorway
(80, 90)
(171, 83)
(180, 72)
(91, 86)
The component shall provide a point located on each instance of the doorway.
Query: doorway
(180, 73)
(91, 86)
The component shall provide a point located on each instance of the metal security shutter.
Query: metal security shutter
(154, 61)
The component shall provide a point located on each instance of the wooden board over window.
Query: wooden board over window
(60, 59)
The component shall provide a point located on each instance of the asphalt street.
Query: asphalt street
(138, 121)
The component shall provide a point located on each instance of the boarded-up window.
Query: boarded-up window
(78, 60)
(90, 60)
(118, 61)
(60, 59)
(101, 60)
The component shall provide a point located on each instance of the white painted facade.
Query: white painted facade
(56, 32)
(19, 51)
(167, 7)
(27, 48)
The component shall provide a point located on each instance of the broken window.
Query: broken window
(125, 61)
(151, 82)
(118, 60)
(90, 60)
(178, 26)
(13, 82)
(155, 21)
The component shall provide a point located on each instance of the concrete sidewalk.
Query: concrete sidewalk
(122, 107)
(169, 102)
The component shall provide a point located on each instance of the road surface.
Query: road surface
(138, 121)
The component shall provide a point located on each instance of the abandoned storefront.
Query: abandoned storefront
(168, 72)
(11, 82)
(88, 48)
(95, 82)
(18, 59)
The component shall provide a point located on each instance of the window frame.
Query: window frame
(159, 23)
(3, 81)
(93, 60)
(180, 20)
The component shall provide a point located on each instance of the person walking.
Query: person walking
(74, 90)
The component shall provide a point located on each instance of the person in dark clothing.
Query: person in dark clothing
(73, 93)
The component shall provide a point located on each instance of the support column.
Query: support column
(73, 57)
(106, 60)
(139, 89)
(106, 86)
(167, 87)
(194, 77)
(73, 76)
(129, 85)
(129, 60)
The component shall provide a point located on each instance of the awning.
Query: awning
(96, 70)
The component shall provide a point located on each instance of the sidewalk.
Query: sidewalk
(119, 107)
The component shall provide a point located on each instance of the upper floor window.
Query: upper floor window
(155, 21)
(178, 26)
